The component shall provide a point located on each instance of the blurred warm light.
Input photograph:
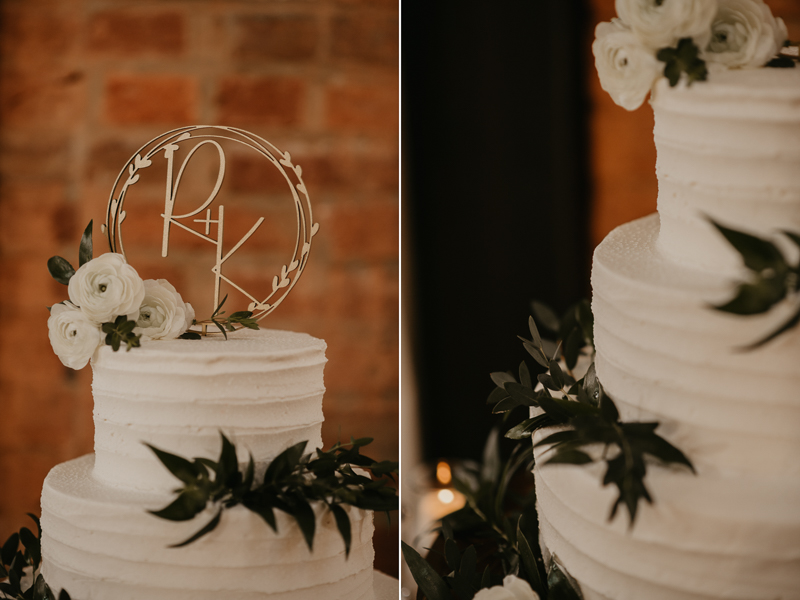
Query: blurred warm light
(443, 474)
(446, 496)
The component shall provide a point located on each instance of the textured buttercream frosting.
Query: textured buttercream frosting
(730, 149)
(264, 390)
(101, 543)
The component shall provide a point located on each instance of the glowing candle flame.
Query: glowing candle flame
(443, 473)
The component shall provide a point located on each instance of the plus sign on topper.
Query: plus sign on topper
(206, 220)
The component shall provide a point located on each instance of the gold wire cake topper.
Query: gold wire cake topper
(169, 143)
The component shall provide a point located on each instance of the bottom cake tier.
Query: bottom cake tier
(732, 531)
(99, 542)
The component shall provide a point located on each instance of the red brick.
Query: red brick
(27, 208)
(276, 37)
(368, 232)
(53, 102)
(130, 33)
(390, 4)
(36, 38)
(261, 100)
(363, 108)
(144, 99)
(44, 156)
(333, 170)
(365, 37)
(252, 173)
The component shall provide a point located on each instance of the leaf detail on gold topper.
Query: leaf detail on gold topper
(213, 230)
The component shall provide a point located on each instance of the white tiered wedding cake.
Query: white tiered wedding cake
(728, 149)
(264, 390)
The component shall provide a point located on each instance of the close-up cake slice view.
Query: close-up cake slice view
(660, 416)
(183, 414)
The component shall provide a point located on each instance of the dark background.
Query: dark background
(496, 196)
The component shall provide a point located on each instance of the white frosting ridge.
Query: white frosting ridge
(729, 149)
(100, 542)
(262, 388)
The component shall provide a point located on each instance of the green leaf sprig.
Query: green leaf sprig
(684, 58)
(291, 483)
(118, 332)
(772, 279)
(20, 552)
(242, 318)
(586, 417)
(494, 535)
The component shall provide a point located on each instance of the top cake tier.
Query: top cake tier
(729, 149)
(263, 389)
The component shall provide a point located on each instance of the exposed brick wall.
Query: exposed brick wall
(84, 83)
(622, 148)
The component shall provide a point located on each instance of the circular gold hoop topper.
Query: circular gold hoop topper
(207, 135)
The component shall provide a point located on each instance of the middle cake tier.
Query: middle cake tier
(263, 389)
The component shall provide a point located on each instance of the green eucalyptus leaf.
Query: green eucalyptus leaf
(85, 249)
(568, 456)
(528, 561)
(60, 269)
(343, 525)
(537, 353)
(9, 549)
(32, 545)
(185, 470)
(64, 595)
(527, 427)
(496, 395)
(263, 509)
(557, 374)
(560, 586)
(306, 520)
(758, 254)
(429, 582)
(572, 348)
(791, 323)
(208, 528)
(189, 503)
(608, 409)
(501, 378)
(535, 337)
(451, 553)
(545, 316)
(190, 335)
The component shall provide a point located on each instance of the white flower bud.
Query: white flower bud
(163, 314)
(513, 588)
(626, 68)
(744, 34)
(73, 335)
(661, 23)
(107, 287)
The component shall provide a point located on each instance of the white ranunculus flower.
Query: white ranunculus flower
(744, 34)
(626, 68)
(513, 588)
(163, 314)
(660, 24)
(106, 288)
(73, 335)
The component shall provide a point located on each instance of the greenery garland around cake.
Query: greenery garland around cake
(292, 482)
(493, 540)
(495, 536)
